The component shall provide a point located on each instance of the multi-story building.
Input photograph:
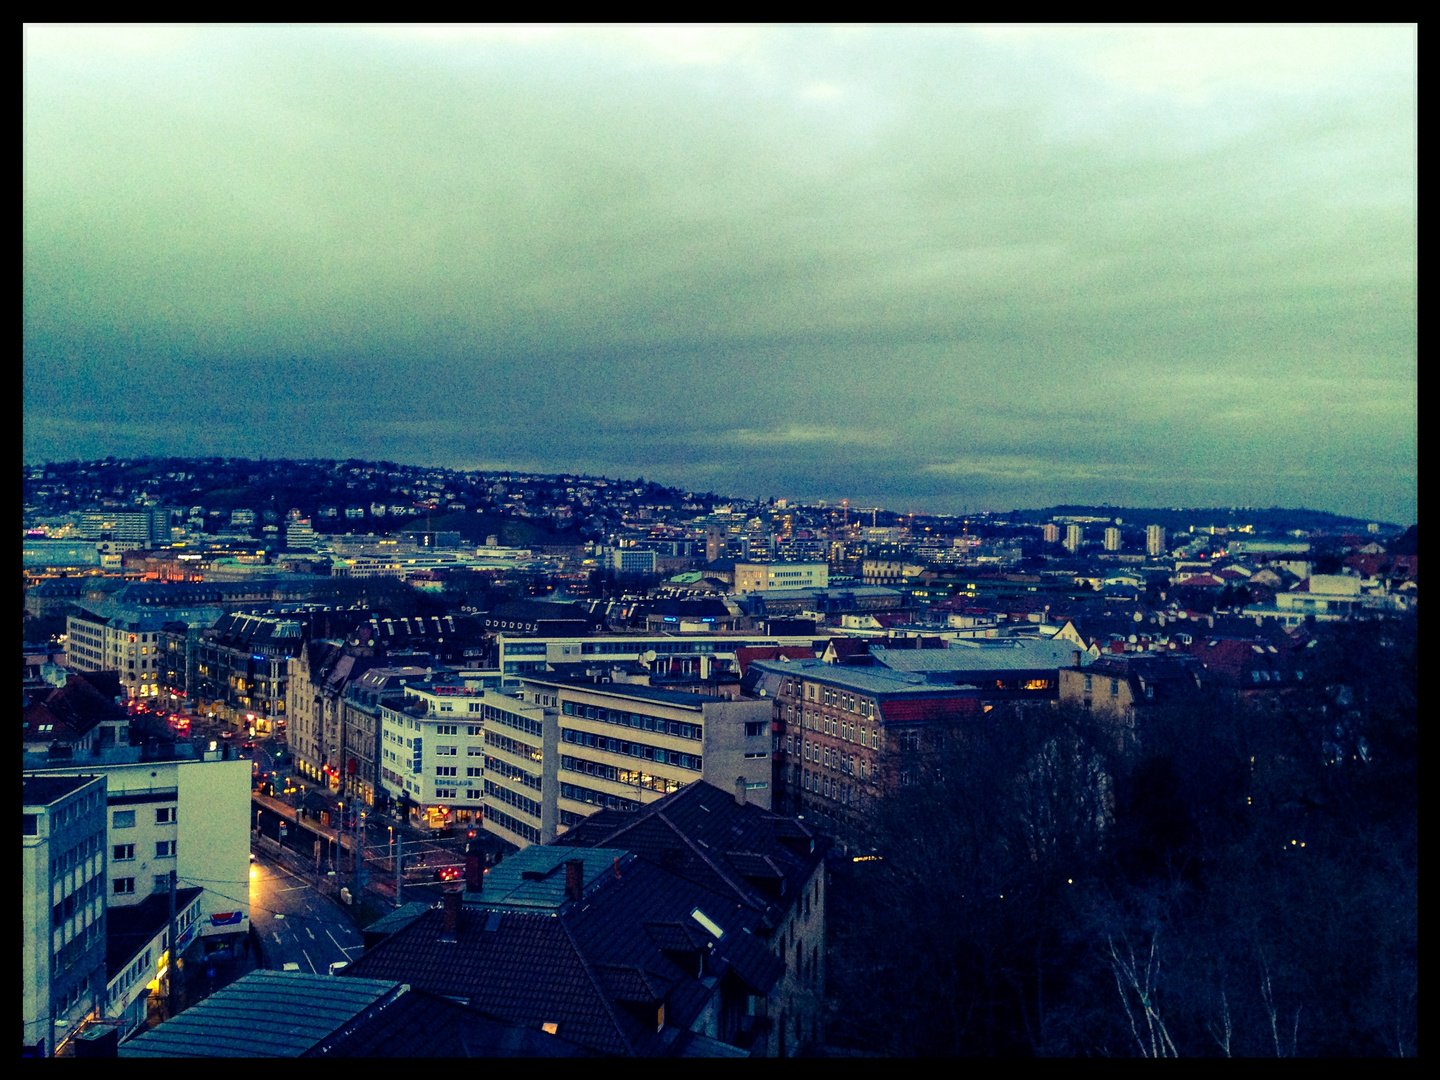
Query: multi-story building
(63, 893)
(694, 654)
(131, 641)
(174, 807)
(1112, 539)
(433, 747)
(759, 577)
(1051, 533)
(1074, 537)
(1154, 540)
(360, 729)
(632, 561)
(847, 736)
(623, 745)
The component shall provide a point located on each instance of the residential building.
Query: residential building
(1112, 539)
(1155, 540)
(174, 807)
(1117, 688)
(846, 736)
(62, 963)
(1074, 537)
(360, 729)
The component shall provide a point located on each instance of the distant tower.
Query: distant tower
(1074, 536)
(1112, 539)
(1052, 533)
(714, 542)
(1154, 540)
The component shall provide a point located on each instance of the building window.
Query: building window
(124, 819)
(124, 886)
(756, 728)
(1114, 687)
(124, 852)
(445, 770)
(446, 729)
(165, 816)
(165, 849)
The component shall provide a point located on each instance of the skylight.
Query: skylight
(708, 923)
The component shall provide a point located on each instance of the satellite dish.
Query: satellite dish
(649, 656)
(1139, 617)
(1133, 639)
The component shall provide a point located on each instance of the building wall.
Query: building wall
(63, 958)
(211, 800)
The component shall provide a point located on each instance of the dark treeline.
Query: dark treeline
(1222, 879)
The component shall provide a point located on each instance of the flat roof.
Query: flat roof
(628, 690)
(1007, 654)
(533, 879)
(45, 790)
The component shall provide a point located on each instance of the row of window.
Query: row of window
(510, 772)
(629, 777)
(125, 886)
(835, 698)
(125, 819)
(60, 865)
(514, 746)
(833, 759)
(164, 849)
(512, 720)
(597, 798)
(814, 721)
(632, 749)
(823, 785)
(512, 798)
(678, 728)
(514, 825)
(76, 900)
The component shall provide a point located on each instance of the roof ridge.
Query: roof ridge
(745, 897)
(599, 990)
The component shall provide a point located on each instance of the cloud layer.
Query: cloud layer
(930, 267)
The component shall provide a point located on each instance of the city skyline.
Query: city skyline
(925, 267)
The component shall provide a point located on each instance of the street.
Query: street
(295, 923)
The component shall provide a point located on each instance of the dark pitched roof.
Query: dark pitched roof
(65, 713)
(702, 834)
(422, 1025)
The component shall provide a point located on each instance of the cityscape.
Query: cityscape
(720, 542)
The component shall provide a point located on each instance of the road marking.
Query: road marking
(277, 939)
(337, 943)
(309, 961)
(291, 888)
(310, 932)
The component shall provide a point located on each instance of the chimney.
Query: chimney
(574, 879)
(739, 791)
(452, 914)
(474, 874)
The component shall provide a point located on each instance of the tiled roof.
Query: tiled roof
(421, 1025)
(265, 1014)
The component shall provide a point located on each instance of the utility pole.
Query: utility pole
(399, 876)
(174, 972)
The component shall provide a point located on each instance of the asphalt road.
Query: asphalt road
(295, 923)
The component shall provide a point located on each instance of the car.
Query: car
(227, 735)
(339, 966)
(447, 873)
(248, 744)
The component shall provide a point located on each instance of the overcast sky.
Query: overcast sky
(933, 267)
